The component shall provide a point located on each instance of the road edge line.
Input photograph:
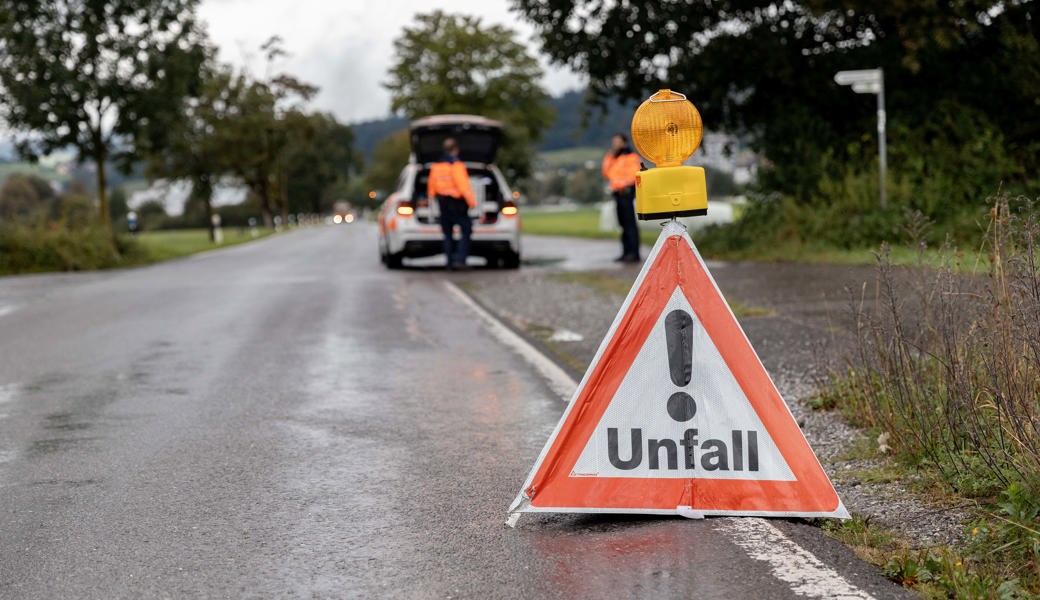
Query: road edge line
(558, 379)
(804, 572)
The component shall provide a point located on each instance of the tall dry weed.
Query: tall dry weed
(947, 354)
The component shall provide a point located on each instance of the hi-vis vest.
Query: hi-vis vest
(450, 179)
(621, 170)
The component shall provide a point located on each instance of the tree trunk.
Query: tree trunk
(261, 187)
(202, 189)
(283, 196)
(102, 184)
(265, 207)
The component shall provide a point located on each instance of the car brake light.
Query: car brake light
(510, 210)
(405, 210)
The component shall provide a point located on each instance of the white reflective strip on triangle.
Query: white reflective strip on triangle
(723, 412)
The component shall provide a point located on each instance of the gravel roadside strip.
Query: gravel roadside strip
(792, 314)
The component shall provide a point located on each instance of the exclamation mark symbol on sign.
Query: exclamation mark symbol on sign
(678, 326)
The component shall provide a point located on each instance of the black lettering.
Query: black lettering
(678, 328)
(614, 455)
(653, 448)
(716, 460)
(752, 450)
(738, 450)
(689, 444)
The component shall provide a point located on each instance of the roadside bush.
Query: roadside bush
(53, 248)
(948, 363)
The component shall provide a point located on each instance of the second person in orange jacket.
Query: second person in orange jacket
(620, 167)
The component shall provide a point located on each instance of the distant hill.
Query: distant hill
(601, 124)
(368, 133)
(567, 132)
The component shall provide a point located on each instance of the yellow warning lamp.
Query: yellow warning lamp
(667, 129)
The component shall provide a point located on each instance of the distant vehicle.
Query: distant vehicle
(409, 225)
(342, 212)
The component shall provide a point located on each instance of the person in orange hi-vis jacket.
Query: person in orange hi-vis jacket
(620, 167)
(449, 185)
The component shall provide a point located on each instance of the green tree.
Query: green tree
(586, 186)
(765, 69)
(448, 63)
(19, 200)
(253, 138)
(388, 158)
(320, 157)
(96, 75)
(235, 126)
(195, 148)
(151, 215)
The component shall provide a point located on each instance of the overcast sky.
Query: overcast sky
(345, 48)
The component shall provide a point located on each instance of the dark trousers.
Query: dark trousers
(626, 216)
(455, 211)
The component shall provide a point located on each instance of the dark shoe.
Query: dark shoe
(449, 267)
(631, 258)
(459, 267)
(620, 258)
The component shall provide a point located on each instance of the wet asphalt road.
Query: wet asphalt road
(288, 419)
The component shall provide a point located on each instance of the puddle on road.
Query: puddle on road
(7, 456)
(64, 422)
(66, 483)
(8, 391)
(40, 448)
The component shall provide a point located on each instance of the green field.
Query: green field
(581, 222)
(572, 157)
(24, 168)
(164, 245)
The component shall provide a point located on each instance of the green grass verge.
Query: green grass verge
(620, 286)
(581, 222)
(584, 223)
(165, 245)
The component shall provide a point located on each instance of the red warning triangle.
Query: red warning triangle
(676, 414)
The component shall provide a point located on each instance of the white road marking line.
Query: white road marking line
(565, 335)
(558, 379)
(800, 569)
(807, 575)
(6, 309)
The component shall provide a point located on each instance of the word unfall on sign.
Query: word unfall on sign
(676, 414)
(716, 456)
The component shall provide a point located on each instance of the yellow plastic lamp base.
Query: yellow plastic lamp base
(667, 192)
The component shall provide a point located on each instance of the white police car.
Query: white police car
(409, 225)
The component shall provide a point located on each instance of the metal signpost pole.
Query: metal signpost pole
(882, 150)
(872, 81)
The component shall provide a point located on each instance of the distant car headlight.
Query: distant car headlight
(337, 219)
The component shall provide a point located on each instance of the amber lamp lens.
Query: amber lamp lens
(667, 128)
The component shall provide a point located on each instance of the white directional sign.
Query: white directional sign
(862, 76)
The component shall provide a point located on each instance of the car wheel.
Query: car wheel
(393, 261)
(509, 260)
